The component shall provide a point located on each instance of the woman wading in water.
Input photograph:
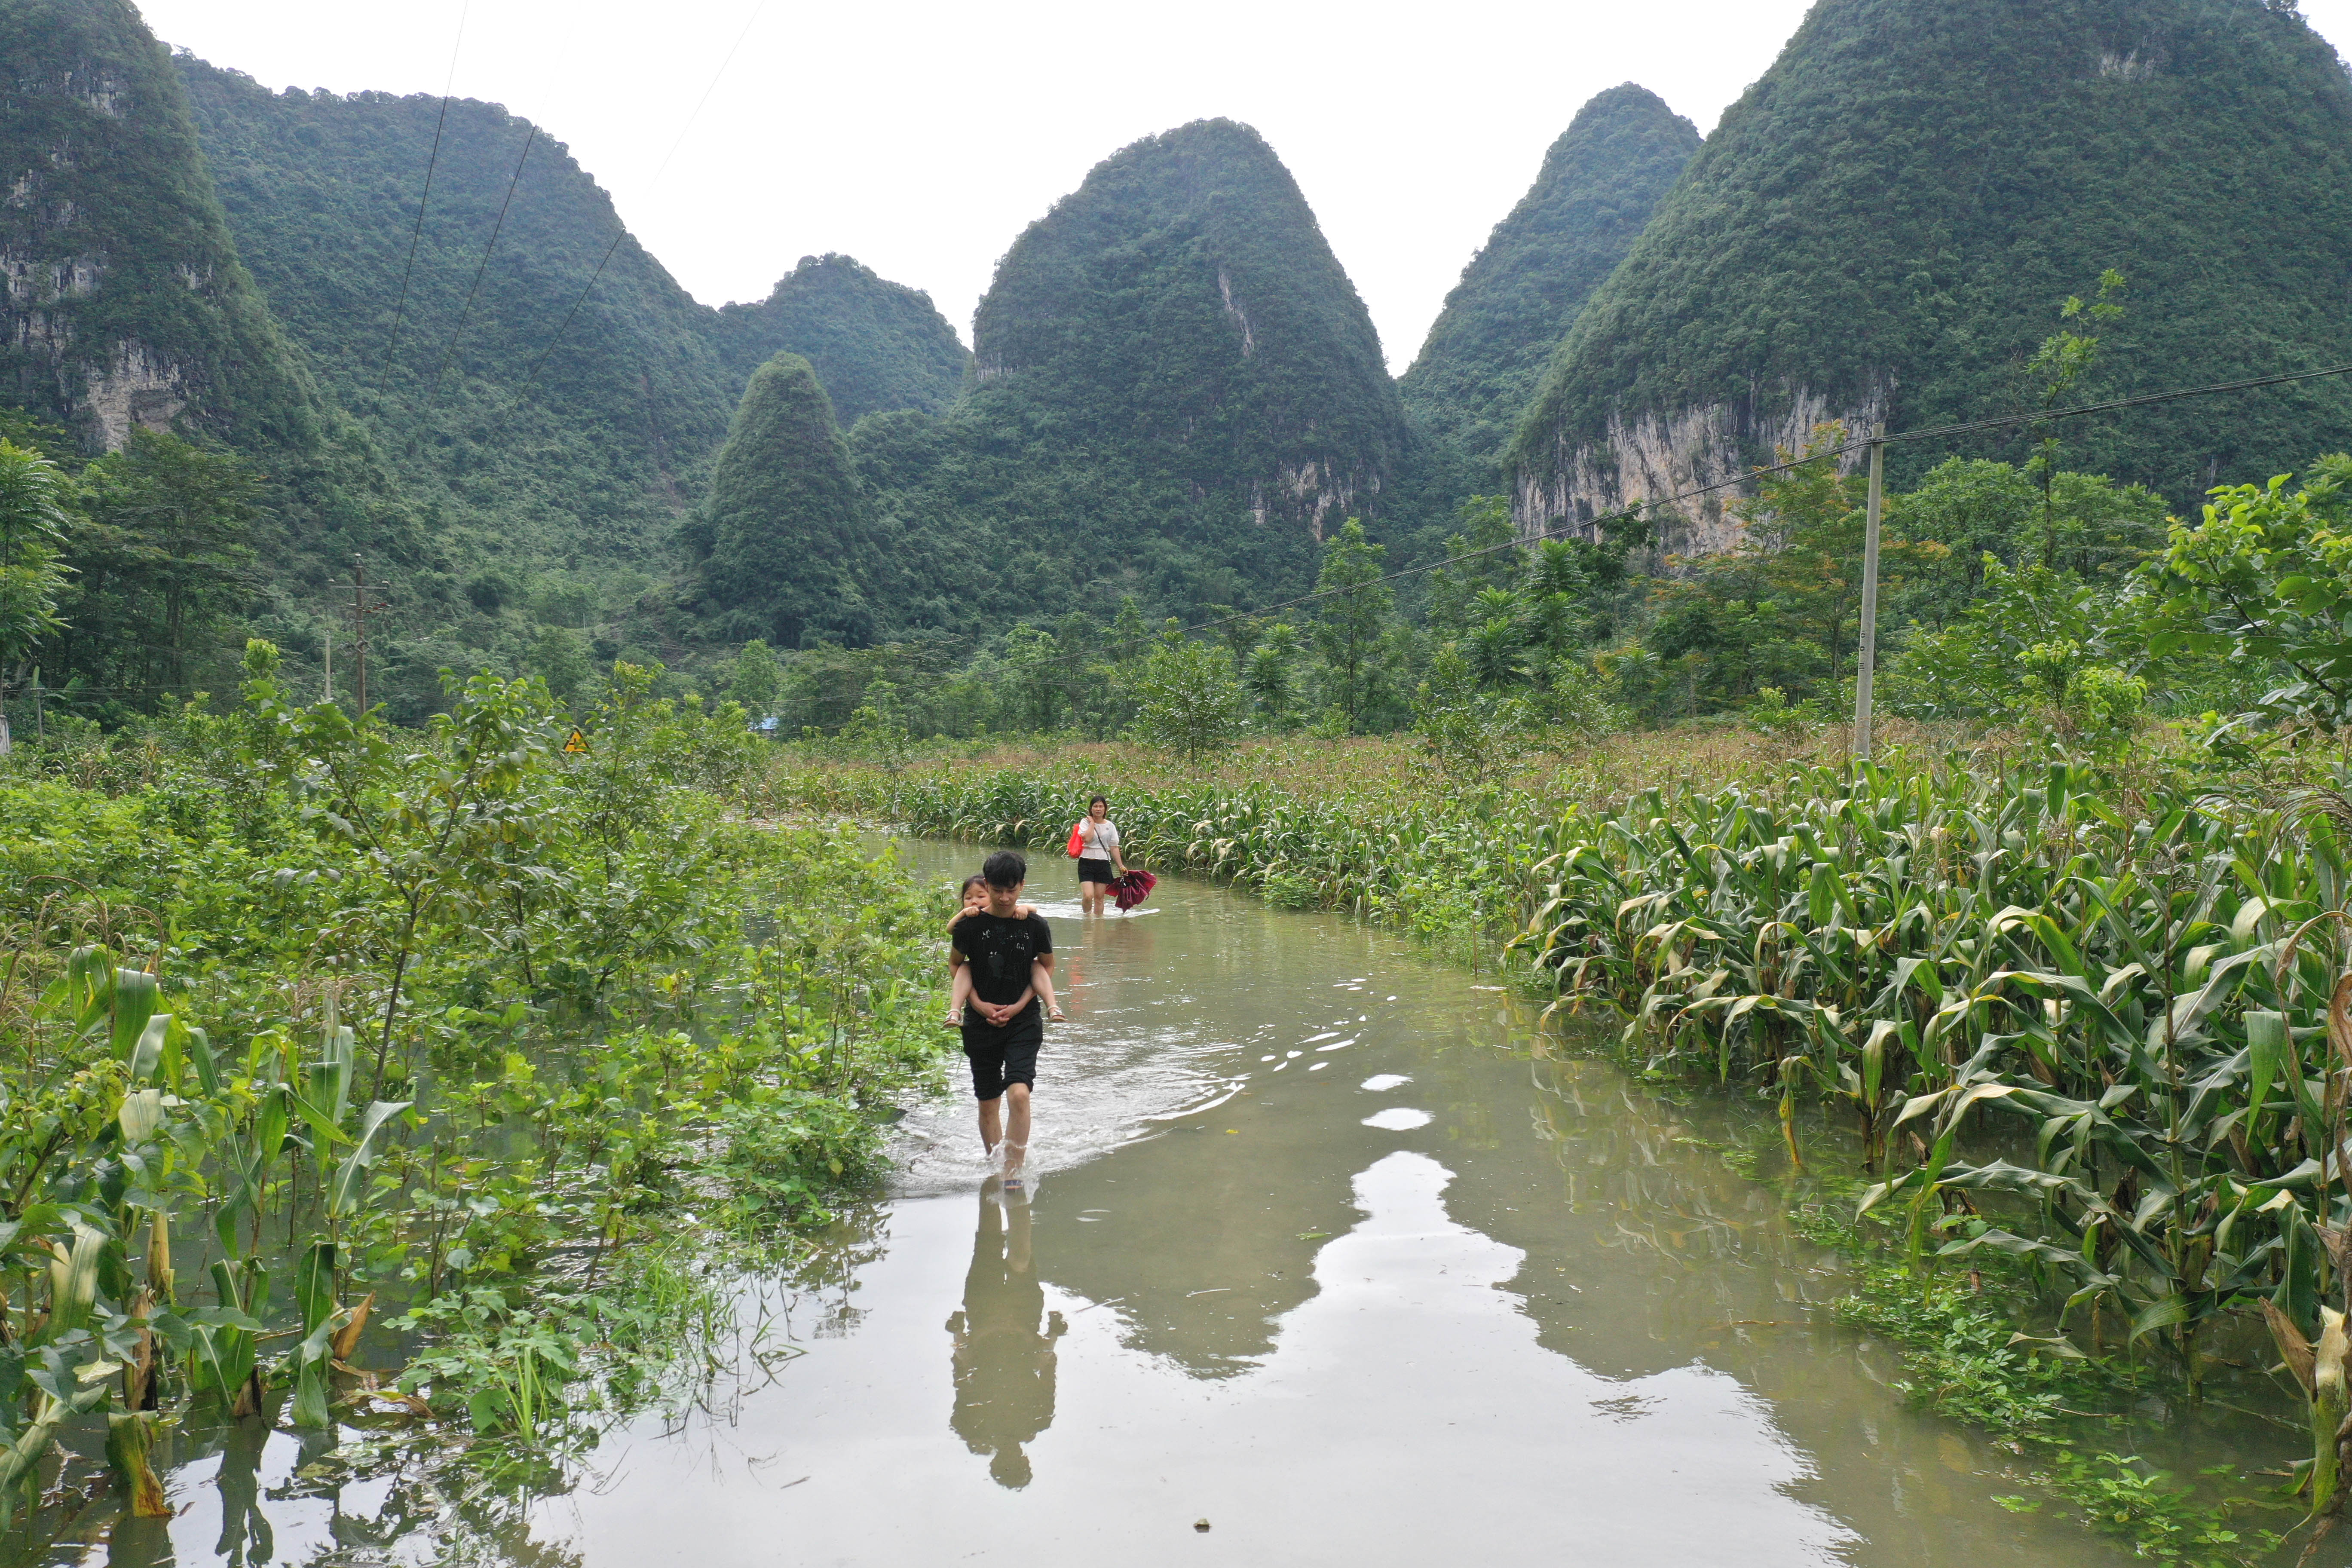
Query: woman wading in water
(1099, 861)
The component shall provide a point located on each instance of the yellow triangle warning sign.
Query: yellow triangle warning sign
(576, 743)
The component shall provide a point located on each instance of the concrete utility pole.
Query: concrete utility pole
(1864, 665)
(361, 610)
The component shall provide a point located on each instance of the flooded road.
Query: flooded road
(1327, 1247)
(1322, 1251)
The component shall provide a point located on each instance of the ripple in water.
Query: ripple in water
(1108, 1080)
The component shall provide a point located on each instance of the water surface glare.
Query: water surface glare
(1476, 1299)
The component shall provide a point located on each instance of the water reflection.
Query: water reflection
(245, 1536)
(1004, 1363)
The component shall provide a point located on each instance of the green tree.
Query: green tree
(754, 680)
(2035, 638)
(792, 548)
(1497, 645)
(1970, 509)
(2056, 374)
(32, 572)
(1974, 509)
(1190, 701)
(1352, 622)
(1476, 559)
(1039, 672)
(2265, 581)
(164, 561)
(1555, 591)
(1130, 636)
(561, 659)
(1466, 731)
(1271, 677)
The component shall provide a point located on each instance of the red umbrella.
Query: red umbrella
(1133, 889)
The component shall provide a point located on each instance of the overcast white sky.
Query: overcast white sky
(920, 136)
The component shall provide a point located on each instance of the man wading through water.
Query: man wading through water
(1003, 1025)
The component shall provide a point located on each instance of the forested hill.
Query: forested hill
(1521, 292)
(1176, 393)
(592, 459)
(126, 304)
(874, 344)
(1183, 307)
(1886, 223)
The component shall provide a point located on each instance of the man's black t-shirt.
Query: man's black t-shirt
(1000, 949)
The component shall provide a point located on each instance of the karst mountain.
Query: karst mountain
(1887, 224)
(1182, 304)
(1519, 295)
(127, 305)
(1173, 391)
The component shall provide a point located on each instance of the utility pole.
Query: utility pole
(40, 724)
(361, 610)
(327, 691)
(1864, 665)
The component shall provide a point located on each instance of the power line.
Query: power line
(621, 231)
(1937, 431)
(471, 294)
(416, 237)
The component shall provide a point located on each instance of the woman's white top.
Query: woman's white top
(1101, 839)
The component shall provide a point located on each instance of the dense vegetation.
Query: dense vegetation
(876, 345)
(1523, 290)
(359, 1076)
(551, 459)
(2009, 594)
(788, 546)
(1886, 218)
(532, 444)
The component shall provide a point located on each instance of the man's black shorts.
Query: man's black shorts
(1005, 1055)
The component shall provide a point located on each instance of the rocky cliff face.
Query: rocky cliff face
(122, 302)
(1705, 447)
(1884, 225)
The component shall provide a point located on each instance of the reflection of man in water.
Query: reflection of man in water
(1003, 1366)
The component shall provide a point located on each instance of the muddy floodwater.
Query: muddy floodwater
(1327, 1247)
